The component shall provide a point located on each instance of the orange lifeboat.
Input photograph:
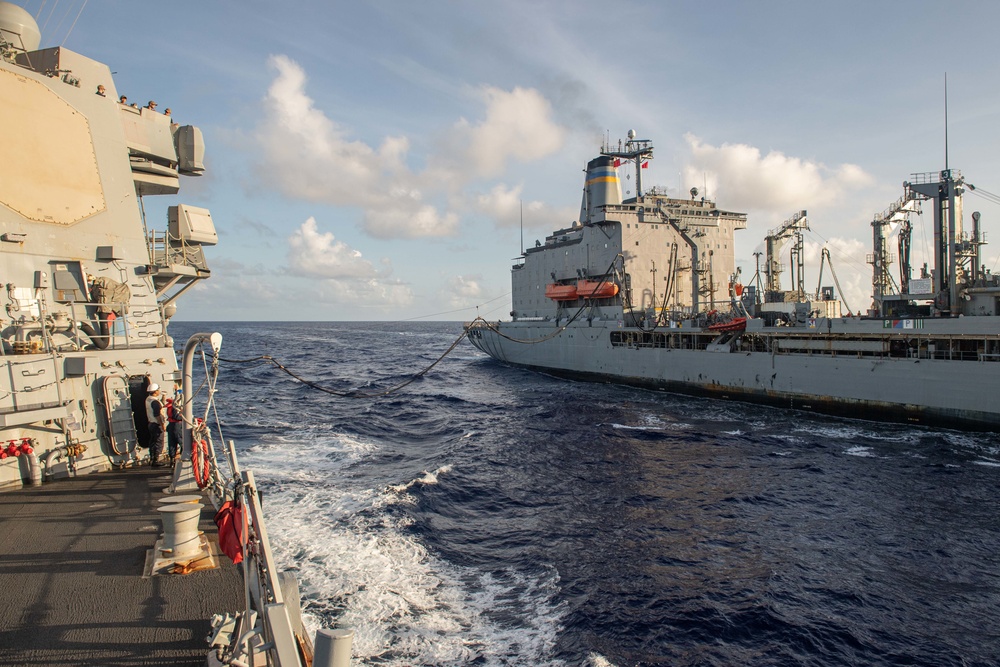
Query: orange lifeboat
(596, 289)
(558, 292)
(737, 324)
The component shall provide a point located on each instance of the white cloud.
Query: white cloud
(747, 180)
(345, 275)
(308, 155)
(518, 125)
(463, 290)
(374, 293)
(311, 253)
(506, 207)
(402, 214)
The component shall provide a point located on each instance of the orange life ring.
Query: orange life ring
(199, 462)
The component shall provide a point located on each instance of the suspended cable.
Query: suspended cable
(62, 19)
(985, 194)
(48, 18)
(345, 394)
(494, 309)
(68, 32)
(457, 310)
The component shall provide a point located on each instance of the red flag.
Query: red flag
(618, 163)
(645, 165)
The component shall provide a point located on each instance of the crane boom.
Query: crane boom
(825, 258)
(773, 242)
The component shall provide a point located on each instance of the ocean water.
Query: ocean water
(487, 515)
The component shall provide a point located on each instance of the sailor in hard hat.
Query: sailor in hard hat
(157, 416)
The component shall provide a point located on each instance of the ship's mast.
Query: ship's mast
(946, 192)
(635, 150)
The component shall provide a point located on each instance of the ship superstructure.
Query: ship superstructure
(645, 291)
(652, 256)
(88, 287)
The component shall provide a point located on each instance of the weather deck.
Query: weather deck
(72, 591)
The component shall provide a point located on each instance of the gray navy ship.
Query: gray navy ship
(646, 292)
(107, 559)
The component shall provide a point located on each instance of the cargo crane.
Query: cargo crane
(895, 218)
(774, 240)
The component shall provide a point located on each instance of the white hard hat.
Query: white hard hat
(153, 387)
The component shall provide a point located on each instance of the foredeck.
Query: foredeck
(72, 590)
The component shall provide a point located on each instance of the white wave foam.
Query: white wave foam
(783, 436)
(858, 450)
(853, 431)
(428, 478)
(988, 462)
(626, 427)
(596, 660)
(964, 440)
(358, 566)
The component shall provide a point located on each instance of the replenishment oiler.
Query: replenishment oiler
(646, 292)
(106, 558)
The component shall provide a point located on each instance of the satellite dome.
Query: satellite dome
(631, 134)
(18, 28)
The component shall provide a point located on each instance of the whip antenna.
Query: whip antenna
(946, 121)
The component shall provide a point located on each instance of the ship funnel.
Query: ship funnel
(600, 188)
(18, 30)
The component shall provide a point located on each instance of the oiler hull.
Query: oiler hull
(958, 393)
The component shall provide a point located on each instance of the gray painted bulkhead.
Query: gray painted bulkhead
(69, 209)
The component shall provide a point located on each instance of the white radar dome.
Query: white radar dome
(18, 28)
(631, 134)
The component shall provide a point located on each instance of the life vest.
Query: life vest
(173, 414)
(152, 415)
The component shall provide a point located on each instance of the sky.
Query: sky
(373, 160)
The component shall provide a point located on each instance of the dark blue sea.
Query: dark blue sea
(487, 515)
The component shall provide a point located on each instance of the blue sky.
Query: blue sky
(366, 160)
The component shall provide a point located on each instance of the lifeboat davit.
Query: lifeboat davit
(596, 289)
(559, 292)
